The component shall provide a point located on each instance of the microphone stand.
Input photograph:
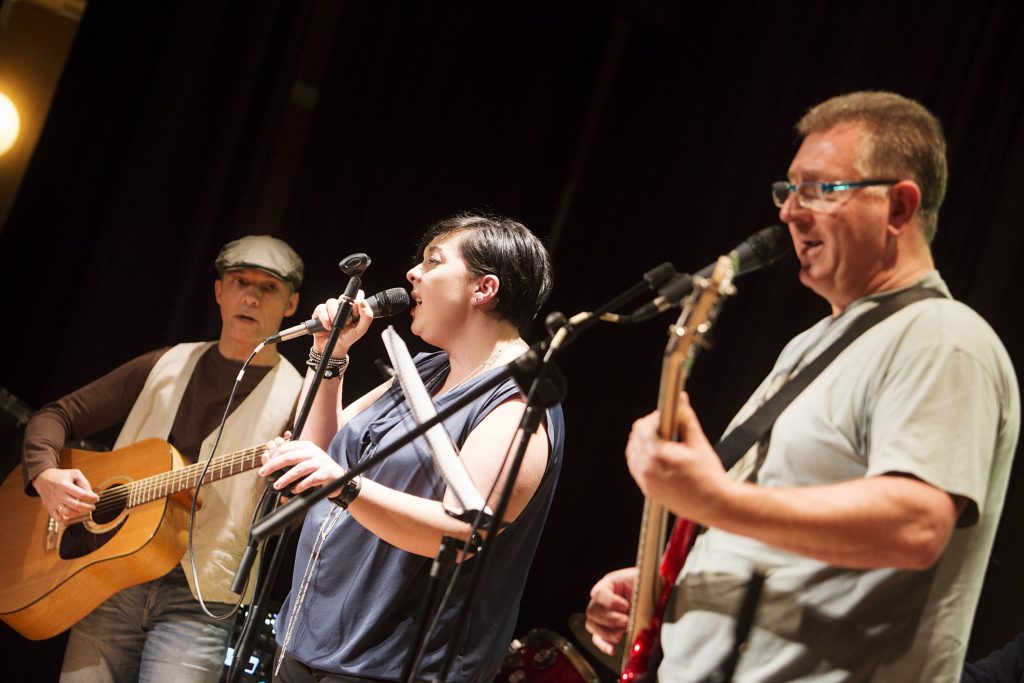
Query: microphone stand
(546, 389)
(538, 399)
(444, 562)
(570, 329)
(537, 402)
(522, 368)
(259, 600)
(353, 266)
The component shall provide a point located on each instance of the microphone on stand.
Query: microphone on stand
(763, 248)
(382, 304)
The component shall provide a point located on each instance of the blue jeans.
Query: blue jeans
(151, 632)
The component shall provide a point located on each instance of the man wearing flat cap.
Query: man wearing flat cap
(157, 630)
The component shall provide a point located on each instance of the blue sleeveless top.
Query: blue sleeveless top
(362, 595)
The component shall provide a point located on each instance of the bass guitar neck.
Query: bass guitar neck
(658, 566)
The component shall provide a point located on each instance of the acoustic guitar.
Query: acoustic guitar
(655, 579)
(53, 574)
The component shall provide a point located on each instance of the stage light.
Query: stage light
(10, 124)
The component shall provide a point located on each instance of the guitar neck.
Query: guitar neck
(654, 522)
(653, 529)
(653, 575)
(167, 484)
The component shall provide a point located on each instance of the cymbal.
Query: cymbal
(579, 631)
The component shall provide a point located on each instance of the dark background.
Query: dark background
(626, 134)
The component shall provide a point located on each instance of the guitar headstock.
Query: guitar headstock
(700, 309)
(688, 335)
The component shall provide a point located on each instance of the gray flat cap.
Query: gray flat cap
(264, 252)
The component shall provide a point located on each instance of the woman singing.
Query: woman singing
(363, 557)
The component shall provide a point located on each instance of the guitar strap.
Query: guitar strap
(735, 444)
(738, 441)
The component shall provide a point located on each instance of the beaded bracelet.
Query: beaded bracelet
(335, 366)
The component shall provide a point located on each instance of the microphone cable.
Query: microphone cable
(195, 498)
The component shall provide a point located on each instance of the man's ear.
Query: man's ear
(293, 304)
(216, 291)
(904, 200)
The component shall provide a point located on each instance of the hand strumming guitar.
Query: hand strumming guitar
(65, 493)
(608, 609)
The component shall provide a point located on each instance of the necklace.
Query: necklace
(489, 362)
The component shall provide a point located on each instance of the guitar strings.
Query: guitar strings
(146, 490)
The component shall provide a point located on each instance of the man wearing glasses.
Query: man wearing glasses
(871, 505)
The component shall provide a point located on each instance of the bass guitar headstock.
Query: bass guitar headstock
(689, 334)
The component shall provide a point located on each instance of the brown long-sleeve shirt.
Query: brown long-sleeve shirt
(108, 400)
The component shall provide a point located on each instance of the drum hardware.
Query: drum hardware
(578, 629)
(543, 656)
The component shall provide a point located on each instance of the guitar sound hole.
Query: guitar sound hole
(81, 539)
(110, 505)
(78, 541)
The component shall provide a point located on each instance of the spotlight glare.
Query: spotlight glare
(10, 124)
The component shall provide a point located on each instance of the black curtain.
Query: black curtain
(627, 134)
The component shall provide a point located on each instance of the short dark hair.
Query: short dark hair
(903, 140)
(499, 246)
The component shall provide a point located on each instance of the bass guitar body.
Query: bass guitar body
(641, 657)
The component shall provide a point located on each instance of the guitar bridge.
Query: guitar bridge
(52, 533)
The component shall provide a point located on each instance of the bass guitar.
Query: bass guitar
(56, 573)
(655, 579)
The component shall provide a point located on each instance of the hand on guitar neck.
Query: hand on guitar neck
(65, 493)
(686, 476)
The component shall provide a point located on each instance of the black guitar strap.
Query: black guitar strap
(734, 444)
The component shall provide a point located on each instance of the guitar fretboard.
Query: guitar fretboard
(175, 481)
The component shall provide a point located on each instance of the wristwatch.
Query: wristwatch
(349, 493)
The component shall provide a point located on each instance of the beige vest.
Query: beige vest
(222, 524)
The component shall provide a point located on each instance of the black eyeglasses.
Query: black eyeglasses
(818, 195)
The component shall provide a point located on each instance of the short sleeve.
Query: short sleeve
(936, 417)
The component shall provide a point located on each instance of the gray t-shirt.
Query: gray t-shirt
(930, 392)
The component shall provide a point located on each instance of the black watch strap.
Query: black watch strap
(349, 493)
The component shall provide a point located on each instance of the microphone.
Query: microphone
(382, 304)
(761, 249)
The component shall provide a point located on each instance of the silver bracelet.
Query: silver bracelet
(335, 366)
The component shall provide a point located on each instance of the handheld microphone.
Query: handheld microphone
(763, 248)
(382, 304)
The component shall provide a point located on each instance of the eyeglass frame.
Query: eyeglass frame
(824, 188)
